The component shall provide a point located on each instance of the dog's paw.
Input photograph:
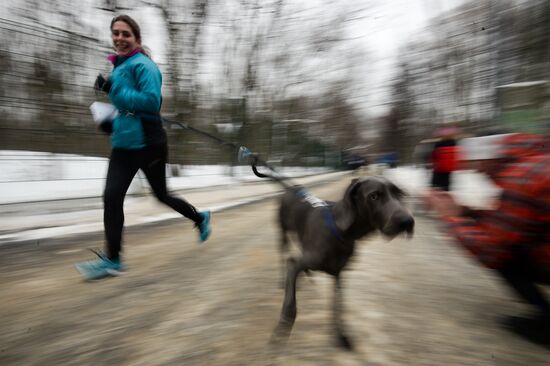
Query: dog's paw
(281, 332)
(277, 340)
(344, 342)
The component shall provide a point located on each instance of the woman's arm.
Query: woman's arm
(146, 98)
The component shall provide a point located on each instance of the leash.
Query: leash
(244, 154)
(200, 132)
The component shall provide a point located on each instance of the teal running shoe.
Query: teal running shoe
(204, 226)
(100, 268)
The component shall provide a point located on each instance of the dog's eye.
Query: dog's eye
(374, 196)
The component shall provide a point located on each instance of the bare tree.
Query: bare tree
(184, 21)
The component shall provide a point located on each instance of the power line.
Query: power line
(45, 29)
(55, 61)
(30, 77)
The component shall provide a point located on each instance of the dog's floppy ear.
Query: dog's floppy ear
(396, 191)
(345, 211)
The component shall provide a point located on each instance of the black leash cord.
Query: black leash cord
(253, 157)
(201, 132)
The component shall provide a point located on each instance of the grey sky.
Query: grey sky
(395, 22)
(386, 25)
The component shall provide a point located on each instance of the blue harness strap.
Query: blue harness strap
(329, 221)
(327, 214)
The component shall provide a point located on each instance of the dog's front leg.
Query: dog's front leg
(288, 313)
(283, 251)
(338, 324)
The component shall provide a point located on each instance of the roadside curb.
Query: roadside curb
(35, 235)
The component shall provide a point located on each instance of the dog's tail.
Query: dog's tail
(274, 176)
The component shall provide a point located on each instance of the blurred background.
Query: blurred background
(313, 86)
(306, 83)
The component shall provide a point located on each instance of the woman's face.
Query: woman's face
(123, 38)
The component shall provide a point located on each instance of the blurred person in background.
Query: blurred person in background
(138, 142)
(444, 159)
(514, 237)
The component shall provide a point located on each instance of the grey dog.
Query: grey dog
(327, 232)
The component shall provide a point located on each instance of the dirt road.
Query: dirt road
(408, 302)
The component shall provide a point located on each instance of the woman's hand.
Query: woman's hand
(102, 84)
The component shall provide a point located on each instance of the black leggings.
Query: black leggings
(123, 166)
(441, 180)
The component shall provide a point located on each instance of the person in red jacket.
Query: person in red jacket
(444, 161)
(514, 238)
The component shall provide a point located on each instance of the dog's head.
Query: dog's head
(373, 203)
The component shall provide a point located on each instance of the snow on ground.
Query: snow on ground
(38, 176)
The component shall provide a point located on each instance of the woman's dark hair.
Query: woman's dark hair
(131, 22)
(135, 29)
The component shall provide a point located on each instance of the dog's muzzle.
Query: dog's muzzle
(400, 222)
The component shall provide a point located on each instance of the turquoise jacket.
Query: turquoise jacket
(136, 93)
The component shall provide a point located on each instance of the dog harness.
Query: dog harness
(315, 202)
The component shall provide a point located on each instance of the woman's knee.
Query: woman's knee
(163, 197)
(112, 197)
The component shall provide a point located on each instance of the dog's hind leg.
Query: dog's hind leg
(288, 312)
(338, 324)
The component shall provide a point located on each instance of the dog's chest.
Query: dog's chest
(336, 258)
